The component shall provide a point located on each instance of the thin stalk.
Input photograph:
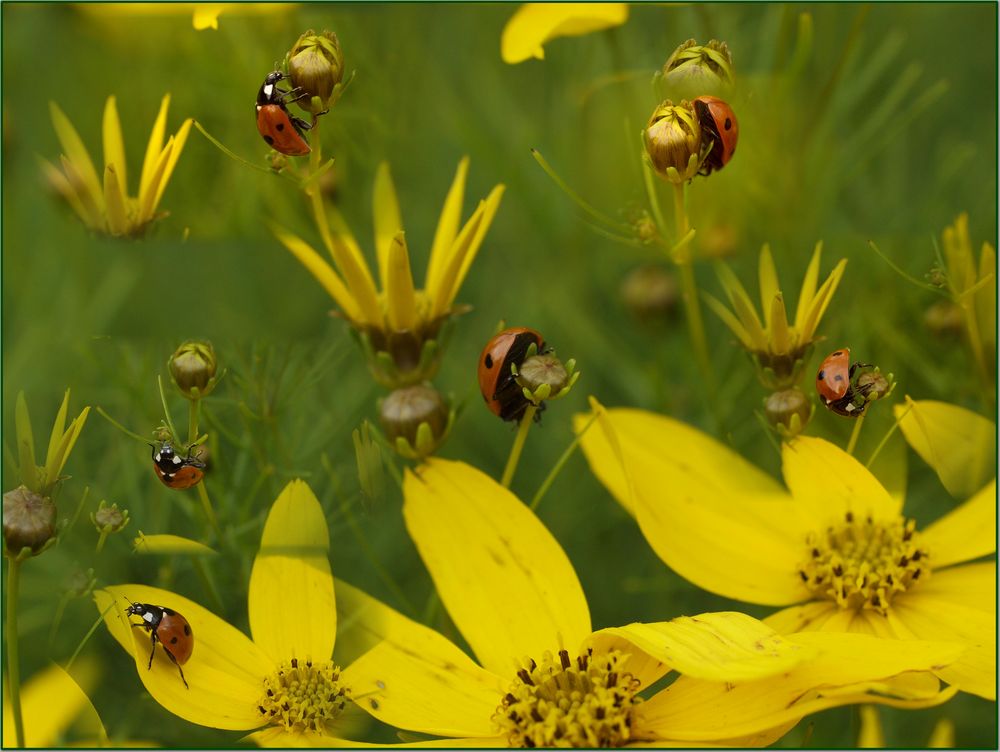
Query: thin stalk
(206, 581)
(87, 636)
(193, 415)
(100, 541)
(13, 661)
(206, 505)
(515, 451)
(888, 435)
(57, 619)
(853, 441)
(557, 468)
(166, 410)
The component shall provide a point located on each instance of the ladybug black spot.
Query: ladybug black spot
(187, 631)
(819, 376)
(173, 640)
(837, 354)
(489, 361)
(268, 140)
(728, 124)
(280, 126)
(839, 377)
(168, 612)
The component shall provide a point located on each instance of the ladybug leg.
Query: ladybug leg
(300, 123)
(171, 657)
(152, 639)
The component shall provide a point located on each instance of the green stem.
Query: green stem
(888, 435)
(57, 619)
(199, 567)
(515, 451)
(13, 662)
(206, 505)
(166, 410)
(193, 414)
(557, 468)
(100, 541)
(87, 636)
(852, 442)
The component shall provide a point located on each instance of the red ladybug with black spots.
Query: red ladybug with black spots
(281, 130)
(718, 121)
(835, 382)
(168, 628)
(504, 396)
(175, 471)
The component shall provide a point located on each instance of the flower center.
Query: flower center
(863, 563)
(303, 696)
(565, 703)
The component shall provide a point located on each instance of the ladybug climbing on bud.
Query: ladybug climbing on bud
(718, 123)
(281, 130)
(168, 628)
(836, 382)
(503, 395)
(175, 471)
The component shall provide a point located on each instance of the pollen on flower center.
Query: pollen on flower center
(863, 564)
(586, 702)
(303, 696)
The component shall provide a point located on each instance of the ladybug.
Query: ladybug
(836, 384)
(168, 628)
(280, 129)
(175, 471)
(719, 121)
(500, 389)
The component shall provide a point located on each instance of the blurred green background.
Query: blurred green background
(880, 127)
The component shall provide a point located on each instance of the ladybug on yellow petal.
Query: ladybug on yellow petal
(167, 627)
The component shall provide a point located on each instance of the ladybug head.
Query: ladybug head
(273, 77)
(166, 452)
(136, 609)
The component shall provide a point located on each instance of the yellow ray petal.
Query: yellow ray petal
(734, 324)
(829, 483)
(489, 212)
(821, 301)
(351, 263)
(769, 287)
(154, 149)
(60, 182)
(534, 24)
(973, 585)
(967, 532)
(66, 445)
(225, 673)
(56, 436)
(292, 609)
(114, 144)
(808, 616)
(506, 582)
(781, 340)
(321, 270)
(694, 709)
(388, 223)
(401, 301)
(958, 444)
(151, 186)
(808, 287)
(363, 622)
(170, 544)
(179, 140)
(419, 681)
(114, 202)
(723, 646)
(447, 227)
(440, 294)
(742, 306)
(77, 154)
(719, 522)
(51, 701)
(93, 203)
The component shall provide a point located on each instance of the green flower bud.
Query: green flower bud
(109, 519)
(192, 368)
(789, 411)
(544, 377)
(29, 521)
(672, 139)
(650, 292)
(695, 69)
(874, 385)
(79, 583)
(945, 319)
(316, 65)
(415, 419)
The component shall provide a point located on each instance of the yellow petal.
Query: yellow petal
(114, 202)
(80, 204)
(781, 340)
(972, 585)
(506, 582)
(769, 287)
(644, 667)
(321, 270)
(967, 532)
(418, 680)
(401, 301)
(986, 298)
(724, 646)
(388, 223)
(958, 444)
(729, 320)
(808, 616)
(829, 483)
(349, 260)
(534, 24)
(77, 154)
(447, 227)
(51, 702)
(694, 709)
(808, 287)
(170, 544)
(821, 301)
(147, 193)
(225, 673)
(154, 149)
(92, 202)
(870, 736)
(742, 306)
(490, 208)
(206, 17)
(292, 609)
(56, 436)
(175, 153)
(719, 521)
(68, 442)
(114, 145)
(363, 622)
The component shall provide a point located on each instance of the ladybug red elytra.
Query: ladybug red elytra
(500, 389)
(168, 628)
(281, 130)
(175, 471)
(836, 384)
(717, 118)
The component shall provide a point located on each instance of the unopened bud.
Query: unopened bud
(316, 65)
(672, 139)
(788, 411)
(415, 418)
(696, 69)
(193, 368)
(874, 385)
(29, 520)
(109, 519)
(650, 292)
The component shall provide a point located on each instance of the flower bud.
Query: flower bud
(29, 520)
(788, 410)
(316, 65)
(415, 420)
(540, 370)
(672, 138)
(109, 519)
(874, 385)
(695, 69)
(193, 368)
(650, 292)
(944, 319)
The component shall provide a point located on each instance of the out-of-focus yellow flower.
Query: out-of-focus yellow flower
(203, 15)
(53, 703)
(105, 205)
(534, 24)
(779, 349)
(399, 321)
(169, 544)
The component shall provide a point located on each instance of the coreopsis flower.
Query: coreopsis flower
(535, 24)
(282, 682)
(399, 323)
(103, 203)
(542, 675)
(835, 548)
(57, 711)
(779, 349)
(203, 15)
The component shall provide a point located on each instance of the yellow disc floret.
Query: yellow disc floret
(303, 696)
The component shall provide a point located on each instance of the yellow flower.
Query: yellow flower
(779, 349)
(42, 479)
(543, 676)
(534, 24)
(398, 320)
(203, 15)
(242, 684)
(105, 205)
(53, 703)
(835, 547)
(871, 736)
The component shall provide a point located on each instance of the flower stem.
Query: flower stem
(206, 505)
(101, 539)
(13, 662)
(193, 414)
(515, 451)
(557, 468)
(852, 442)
